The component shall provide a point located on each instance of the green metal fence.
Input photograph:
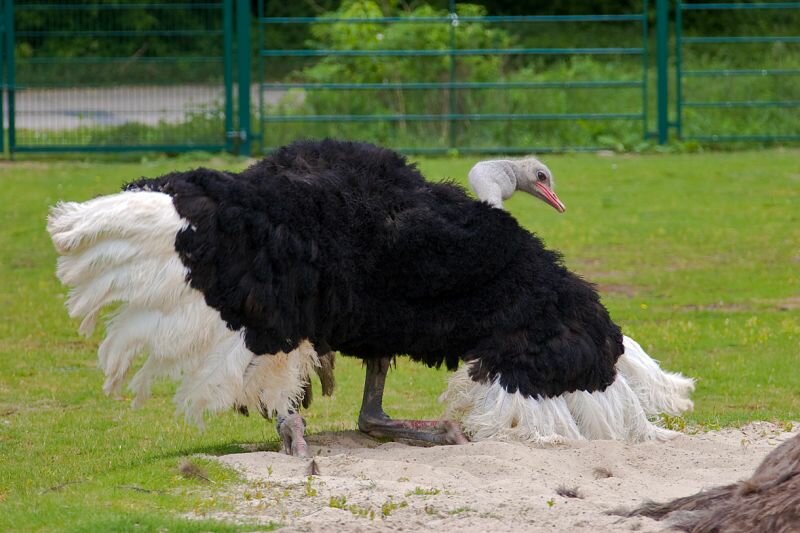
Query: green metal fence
(81, 77)
(727, 91)
(439, 91)
(212, 75)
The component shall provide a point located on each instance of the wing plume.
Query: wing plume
(121, 249)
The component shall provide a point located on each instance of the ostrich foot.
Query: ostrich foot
(291, 429)
(427, 431)
(375, 422)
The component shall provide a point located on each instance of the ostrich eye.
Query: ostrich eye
(541, 176)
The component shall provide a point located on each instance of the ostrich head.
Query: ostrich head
(495, 181)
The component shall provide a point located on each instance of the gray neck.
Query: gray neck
(494, 181)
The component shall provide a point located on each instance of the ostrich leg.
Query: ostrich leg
(374, 422)
(291, 428)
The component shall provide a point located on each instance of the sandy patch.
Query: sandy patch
(486, 486)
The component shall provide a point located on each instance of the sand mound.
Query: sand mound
(487, 486)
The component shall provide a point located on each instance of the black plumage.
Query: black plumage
(347, 245)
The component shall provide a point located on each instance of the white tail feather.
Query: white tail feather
(658, 391)
(153, 369)
(141, 217)
(157, 283)
(120, 248)
(85, 265)
(641, 389)
(118, 357)
(188, 332)
(215, 384)
(614, 414)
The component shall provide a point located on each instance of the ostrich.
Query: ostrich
(768, 501)
(233, 283)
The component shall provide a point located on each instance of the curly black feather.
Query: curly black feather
(346, 244)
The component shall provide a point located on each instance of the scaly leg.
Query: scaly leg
(374, 422)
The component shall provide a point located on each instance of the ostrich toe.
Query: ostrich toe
(291, 429)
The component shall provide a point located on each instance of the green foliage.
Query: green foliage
(389, 70)
(675, 423)
(396, 36)
(419, 491)
(117, 42)
(338, 502)
(561, 7)
(479, 68)
(389, 506)
(310, 491)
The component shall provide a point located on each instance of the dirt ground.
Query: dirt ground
(364, 485)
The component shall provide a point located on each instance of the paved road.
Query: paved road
(60, 109)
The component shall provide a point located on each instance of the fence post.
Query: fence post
(678, 68)
(645, 71)
(2, 74)
(662, 68)
(10, 75)
(243, 58)
(227, 72)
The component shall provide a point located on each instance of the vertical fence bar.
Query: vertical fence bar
(678, 68)
(227, 61)
(645, 70)
(662, 70)
(10, 74)
(243, 57)
(2, 75)
(260, 74)
(451, 92)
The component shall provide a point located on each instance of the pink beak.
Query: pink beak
(550, 197)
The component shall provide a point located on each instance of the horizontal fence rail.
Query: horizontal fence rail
(455, 85)
(456, 116)
(453, 19)
(453, 52)
(701, 119)
(741, 72)
(740, 7)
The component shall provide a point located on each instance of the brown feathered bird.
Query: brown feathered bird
(768, 501)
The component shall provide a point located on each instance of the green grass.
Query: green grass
(697, 257)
